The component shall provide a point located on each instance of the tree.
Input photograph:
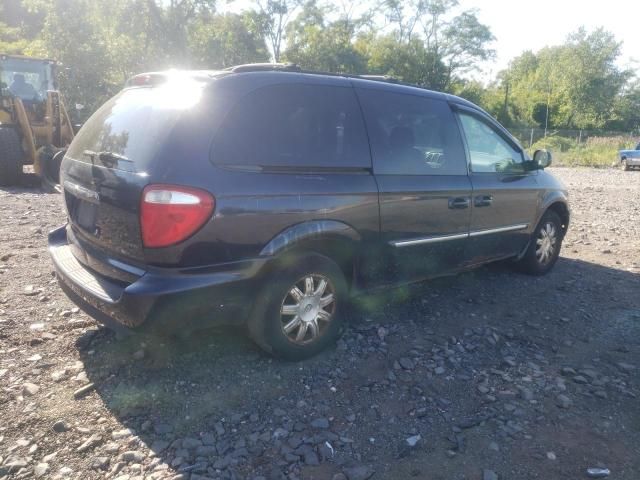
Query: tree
(576, 83)
(452, 44)
(87, 76)
(410, 61)
(18, 27)
(221, 41)
(174, 19)
(317, 44)
(273, 17)
(626, 109)
(595, 80)
(464, 44)
(431, 43)
(404, 16)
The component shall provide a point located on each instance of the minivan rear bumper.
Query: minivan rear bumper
(160, 299)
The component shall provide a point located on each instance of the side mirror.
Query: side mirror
(542, 158)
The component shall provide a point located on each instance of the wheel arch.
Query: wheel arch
(557, 203)
(562, 210)
(331, 238)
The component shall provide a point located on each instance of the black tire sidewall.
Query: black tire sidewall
(265, 322)
(529, 263)
(10, 157)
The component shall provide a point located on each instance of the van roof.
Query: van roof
(290, 68)
(382, 82)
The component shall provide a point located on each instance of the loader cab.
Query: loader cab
(28, 79)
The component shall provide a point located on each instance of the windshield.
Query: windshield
(27, 79)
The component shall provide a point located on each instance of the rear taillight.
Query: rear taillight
(170, 214)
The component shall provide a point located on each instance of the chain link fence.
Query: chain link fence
(529, 136)
(595, 148)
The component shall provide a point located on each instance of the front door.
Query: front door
(505, 194)
(425, 193)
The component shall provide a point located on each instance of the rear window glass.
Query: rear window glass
(127, 131)
(294, 125)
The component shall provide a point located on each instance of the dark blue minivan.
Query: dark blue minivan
(266, 196)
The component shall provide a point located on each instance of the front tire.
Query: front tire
(624, 165)
(10, 157)
(544, 248)
(300, 311)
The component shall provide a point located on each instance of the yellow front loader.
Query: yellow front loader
(35, 128)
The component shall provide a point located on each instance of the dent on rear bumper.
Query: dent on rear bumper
(161, 298)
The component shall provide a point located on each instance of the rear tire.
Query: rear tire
(300, 311)
(10, 157)
(544, 248)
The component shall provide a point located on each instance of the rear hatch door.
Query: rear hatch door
(108, 164)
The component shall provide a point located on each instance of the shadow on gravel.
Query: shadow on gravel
(410, 363)
(29, 182)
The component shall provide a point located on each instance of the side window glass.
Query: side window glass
(489, 152)
(294, 125)
(412, 135)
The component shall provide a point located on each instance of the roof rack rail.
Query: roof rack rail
(378, 78)
(264, 67)
(292, 67)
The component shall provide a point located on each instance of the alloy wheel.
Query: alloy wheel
(308, 309)
(546, 243)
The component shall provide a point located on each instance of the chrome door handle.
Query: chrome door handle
(483, 201)
(459, 203)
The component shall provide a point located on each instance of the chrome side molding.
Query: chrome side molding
(458, 236)
(420, 241)
(511, 228)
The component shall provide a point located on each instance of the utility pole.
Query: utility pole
(546, 117)
(505, 106)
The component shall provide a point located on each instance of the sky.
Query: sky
(531, 25)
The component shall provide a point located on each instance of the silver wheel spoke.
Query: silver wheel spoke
(324, 315)
(328, 300)
(308, 285)
(322, 286)
(296, 294)
(551, 231)
(289, 327)
(302, 331)
(313, 327)
(289, 309)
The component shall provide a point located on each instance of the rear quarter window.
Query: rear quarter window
(294, 125)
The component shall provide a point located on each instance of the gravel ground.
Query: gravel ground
(486, 375)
